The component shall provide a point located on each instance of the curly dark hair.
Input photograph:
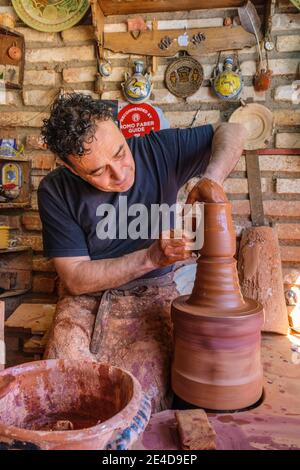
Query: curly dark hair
(72, 123)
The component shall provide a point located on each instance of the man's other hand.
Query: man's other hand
(207, 190)
(166, 251)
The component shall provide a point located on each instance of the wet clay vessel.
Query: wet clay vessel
(69, 405)
(216, 362)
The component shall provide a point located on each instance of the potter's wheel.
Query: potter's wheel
(250, 308)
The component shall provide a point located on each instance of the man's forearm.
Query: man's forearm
(227, 147)
(88, 276)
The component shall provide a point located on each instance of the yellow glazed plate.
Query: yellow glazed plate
(259, 122)
(50, 15)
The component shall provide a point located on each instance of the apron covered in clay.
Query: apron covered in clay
(136, 332)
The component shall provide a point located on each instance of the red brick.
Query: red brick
(43, 264)
(288, 185)
(33, 201)
(35, 181)
(288, 231)
(291, 275)
(43, 284)
(32, 221)
(13, 221)
(240, 207)
(34, 241)
(35, 142)
(290, 254)
(277, 208)
(42, 161)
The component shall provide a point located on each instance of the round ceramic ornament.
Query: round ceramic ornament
(296, 3)
(105, 68)
(184, 76)
(51, 15)
(259, 123)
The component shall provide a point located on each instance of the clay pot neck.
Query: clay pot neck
(216, 284)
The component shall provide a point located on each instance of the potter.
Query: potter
(115, 295)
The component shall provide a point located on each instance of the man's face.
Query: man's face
(109, 165)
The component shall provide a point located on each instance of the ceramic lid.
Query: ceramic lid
(259, 122)
(50, 15)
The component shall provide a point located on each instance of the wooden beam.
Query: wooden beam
(255, 191)
(124, 7)
(98, 19)
(2, 343)
(217, 39)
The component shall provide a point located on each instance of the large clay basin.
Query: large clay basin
(105, 404)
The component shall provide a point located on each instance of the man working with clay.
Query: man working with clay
(115, 296)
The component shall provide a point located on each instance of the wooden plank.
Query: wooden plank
(195, 431)
(117, 7)
(2, 343)
(14, 249)
(35, 319)
(19, 279)
(255, 192)
(36, 344)
(278, 151)
(13, 293)
(217, 39)
(98, 20)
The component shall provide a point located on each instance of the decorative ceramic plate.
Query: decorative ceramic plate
(259, 123)
(296, 3)
(50, 15)
(184, 76)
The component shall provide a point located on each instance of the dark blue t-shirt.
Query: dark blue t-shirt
(164, 161)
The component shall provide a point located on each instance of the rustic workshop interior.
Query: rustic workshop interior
(112, 337)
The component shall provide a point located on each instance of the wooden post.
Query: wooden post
(2, 343)
(98, 24)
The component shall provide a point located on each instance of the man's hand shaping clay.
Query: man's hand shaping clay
(206, 190)
(166, 251)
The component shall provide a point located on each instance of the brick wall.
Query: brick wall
(67, 60)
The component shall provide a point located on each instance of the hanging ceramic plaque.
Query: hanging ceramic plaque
(184, 76)
(51, 16)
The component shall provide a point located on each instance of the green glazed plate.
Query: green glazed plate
(50, 15)
(296, 3)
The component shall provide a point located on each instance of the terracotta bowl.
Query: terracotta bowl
(94, 406)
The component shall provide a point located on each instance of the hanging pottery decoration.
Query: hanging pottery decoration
(11, 180)
(14, 52)
(12, 55)
(227, 84)
(259, 123)
(262, 80)
(137, 88)
(105, 68)
(184, 76)
(51, 16)
(296, 3)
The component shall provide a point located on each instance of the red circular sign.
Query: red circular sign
(138, 120)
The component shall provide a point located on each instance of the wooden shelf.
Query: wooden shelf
(15, 249)
(125, 7)
(12, 293)
(13, 159)
(12, 205)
